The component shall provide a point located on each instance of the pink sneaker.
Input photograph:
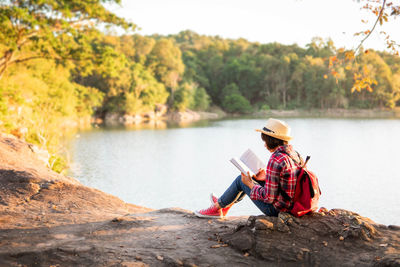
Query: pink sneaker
(211, 212)
(214, 200)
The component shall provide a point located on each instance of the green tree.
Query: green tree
(109, 72)
(385, 93)
(183, 97)
(54, 29)
(320, 48)
(147, 89)
(165, 60)
(143, 46)
(201, 100)
(236, 104)
(228, 90)
(38, 102)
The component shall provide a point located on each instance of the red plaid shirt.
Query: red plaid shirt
(280, 170)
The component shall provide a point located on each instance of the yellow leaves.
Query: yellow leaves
(382, 18)
(335, 74)
(332, 60)
(363, 81)
(349, 55)
(336, 63)
(357, 33)
(360, 85)
(345, 61)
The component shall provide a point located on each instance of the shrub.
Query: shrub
(236, 104)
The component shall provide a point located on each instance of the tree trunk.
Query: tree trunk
(284, 97)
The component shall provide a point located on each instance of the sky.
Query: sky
(263, 21)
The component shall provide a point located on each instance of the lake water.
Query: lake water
(356, 161)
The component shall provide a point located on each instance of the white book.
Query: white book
(248, 162)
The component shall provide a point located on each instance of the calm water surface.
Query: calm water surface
(356, 161)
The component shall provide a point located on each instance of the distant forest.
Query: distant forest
(131, 74)
(187, 70)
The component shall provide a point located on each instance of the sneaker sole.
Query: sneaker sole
(207, 216)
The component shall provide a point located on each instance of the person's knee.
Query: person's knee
(239, 183)
(241, 186)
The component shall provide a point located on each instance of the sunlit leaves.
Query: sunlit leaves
(39, 28)
(363, 80)
(341, 59)
(165, 60)
(37, 99)
(362, 76)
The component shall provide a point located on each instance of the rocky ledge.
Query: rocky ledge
(159, 116)
(51, 220)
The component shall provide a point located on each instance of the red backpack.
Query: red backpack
(307, 191)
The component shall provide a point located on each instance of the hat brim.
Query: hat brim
(278, 136)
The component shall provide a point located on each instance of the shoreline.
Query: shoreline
(187, 116)
(190, 116)
(333, 113)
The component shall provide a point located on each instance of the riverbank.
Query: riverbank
(49, 219)
(160, 120)
(162, 115)
(331, 113)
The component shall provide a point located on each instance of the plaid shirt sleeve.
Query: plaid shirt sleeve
(280, 170)
(269, 192)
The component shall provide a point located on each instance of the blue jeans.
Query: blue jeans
(236, 192)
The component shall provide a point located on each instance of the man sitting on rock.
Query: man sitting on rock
(266, 188)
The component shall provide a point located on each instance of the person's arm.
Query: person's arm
(246, 179)
(269, 192)
(260, 176)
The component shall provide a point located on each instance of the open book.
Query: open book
(248, 162)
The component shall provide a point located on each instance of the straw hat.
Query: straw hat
(276, 128)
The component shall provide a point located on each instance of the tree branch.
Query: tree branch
(7, 63)
(373, 28)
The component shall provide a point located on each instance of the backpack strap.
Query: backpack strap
(301, 164)
(282, 192)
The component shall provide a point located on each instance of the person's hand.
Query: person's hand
(246, 179)
(261, 175)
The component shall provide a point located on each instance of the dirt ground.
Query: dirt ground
(51, 220)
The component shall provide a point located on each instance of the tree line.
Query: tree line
(135, 73)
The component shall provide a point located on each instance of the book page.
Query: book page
(252, 161)
(241, 166)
